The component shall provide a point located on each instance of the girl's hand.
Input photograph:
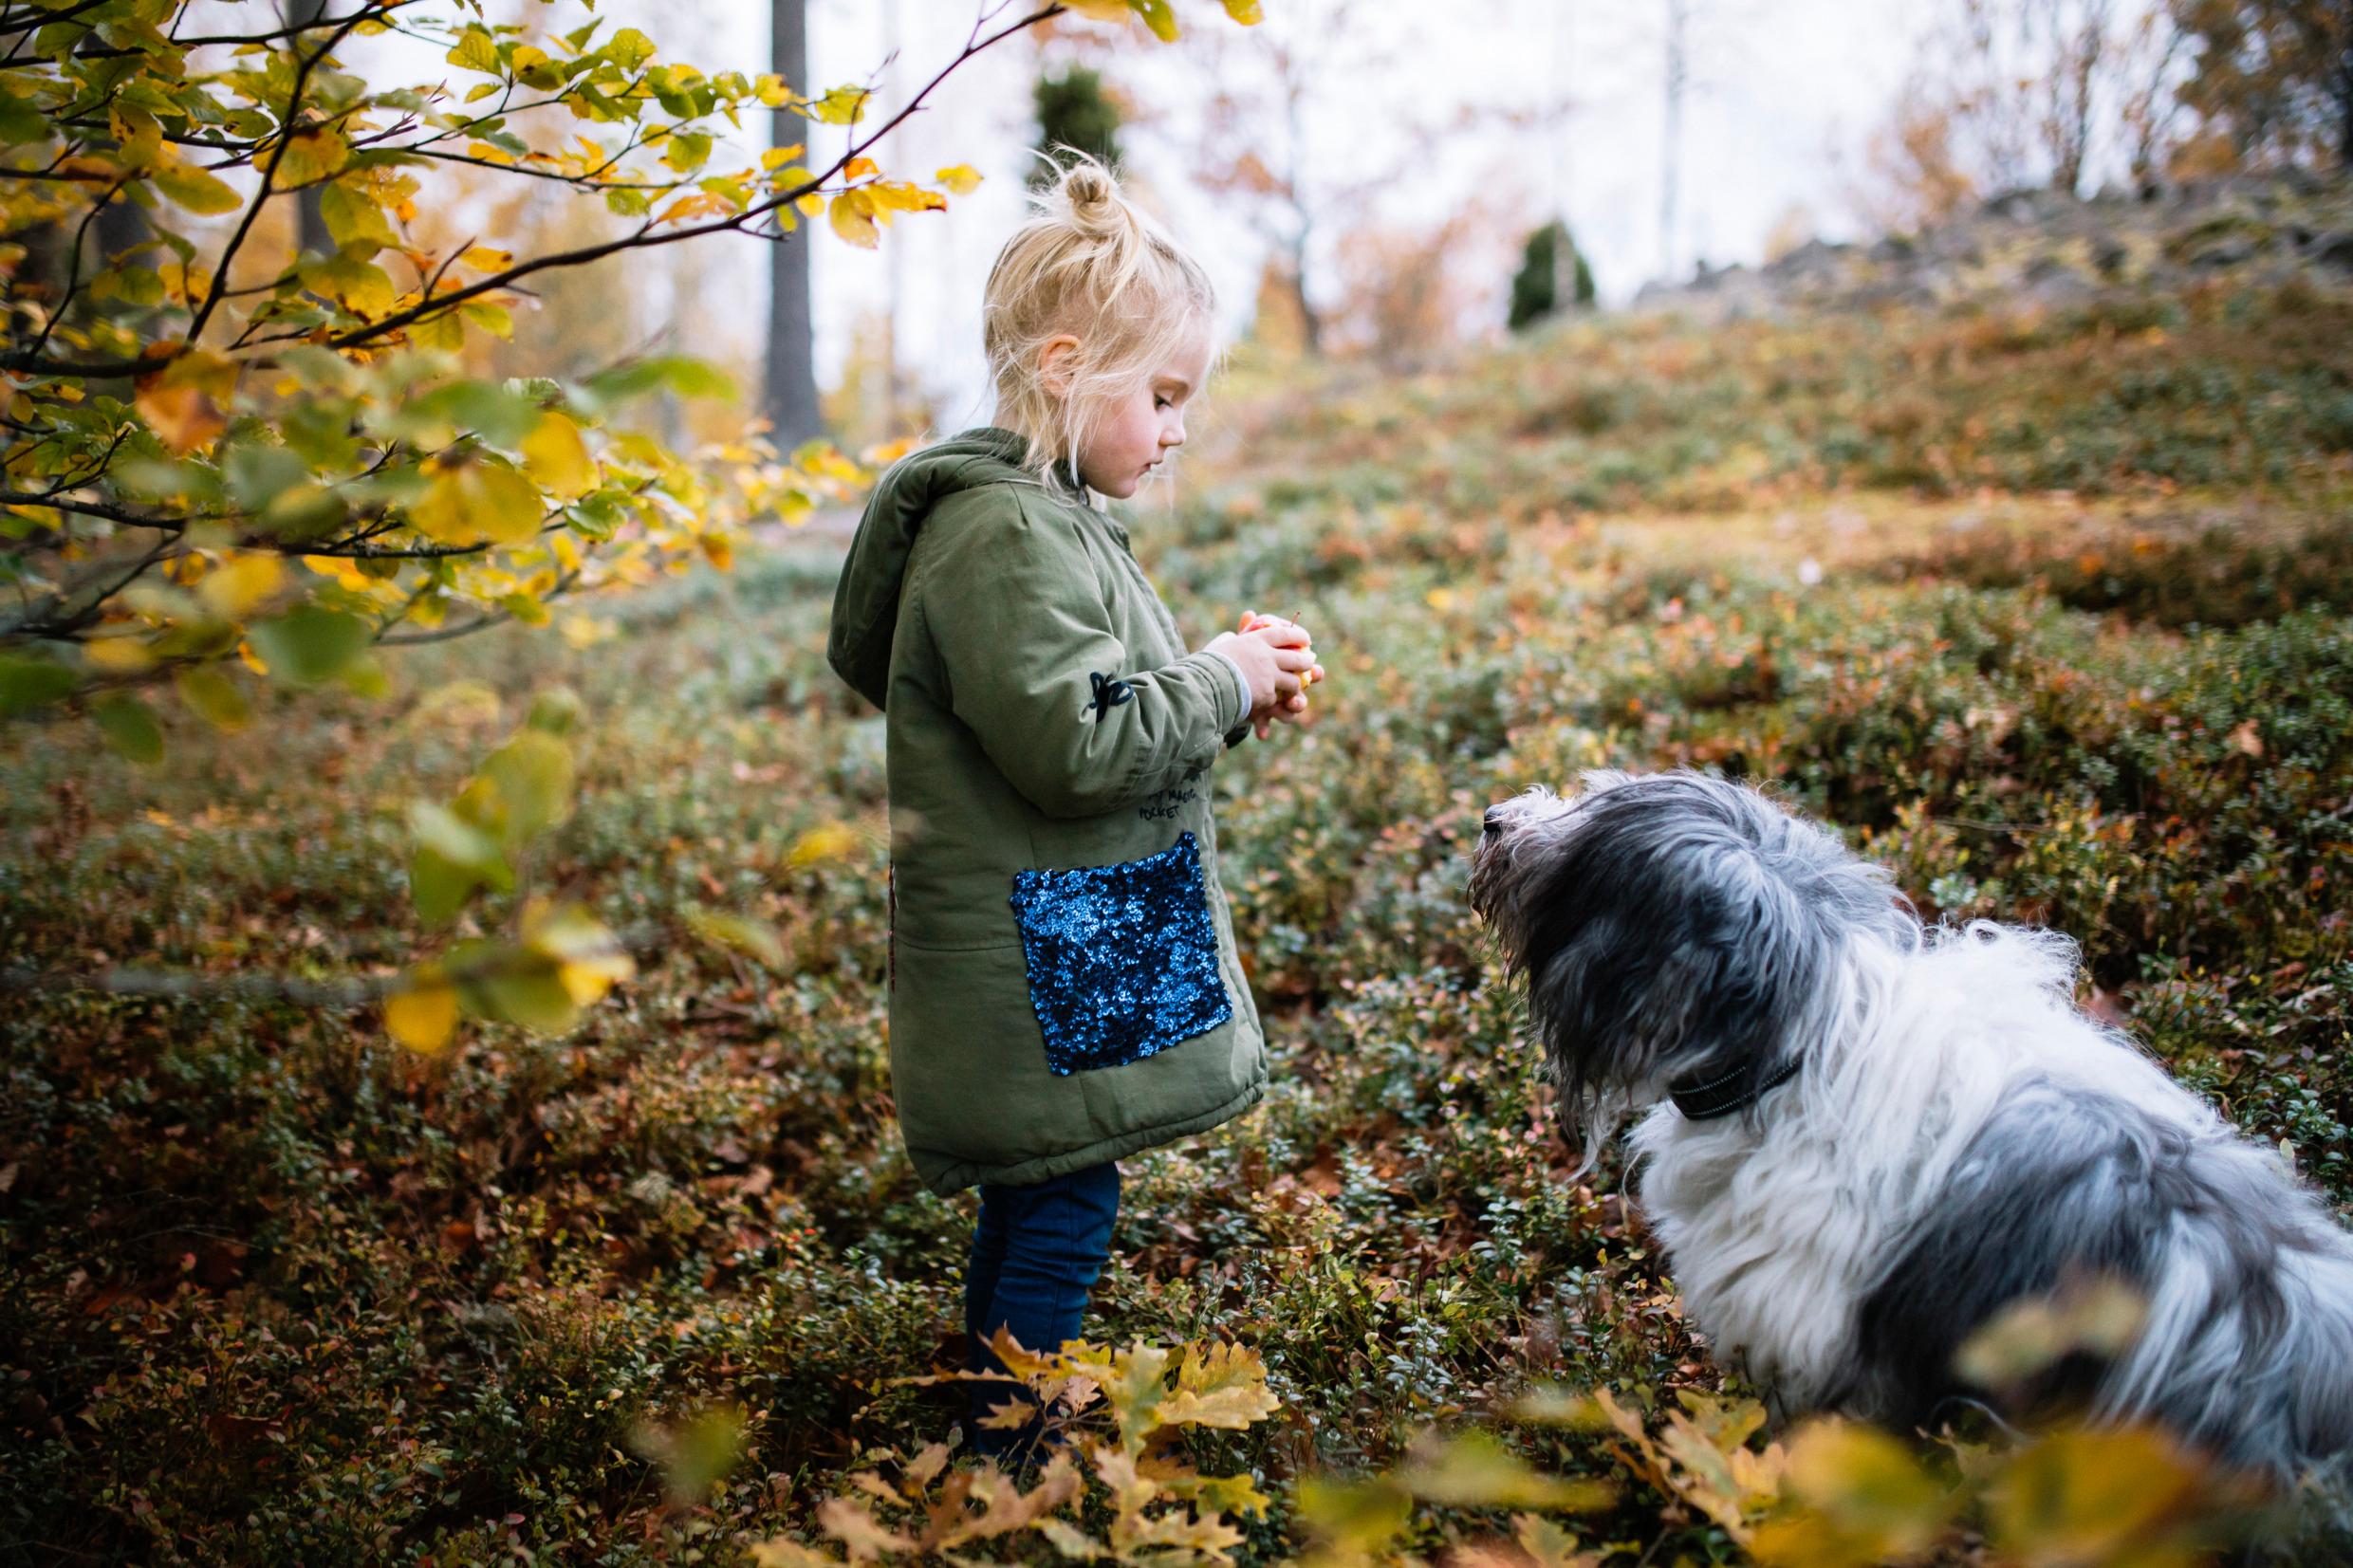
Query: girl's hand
(1299, 670)
(1274, 659)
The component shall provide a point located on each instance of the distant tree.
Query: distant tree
(2272, 81)
(2017, 94)
(1253, 147)
(1077, 114)
(1678, 81)
(1549, 258)
(790, 391)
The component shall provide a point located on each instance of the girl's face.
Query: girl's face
(1135, 431)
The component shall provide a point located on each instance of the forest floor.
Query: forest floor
(2049, 609)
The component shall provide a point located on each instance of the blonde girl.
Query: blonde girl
(1063, 986)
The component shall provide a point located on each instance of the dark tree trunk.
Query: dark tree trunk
(792, 385)
(2344, 101)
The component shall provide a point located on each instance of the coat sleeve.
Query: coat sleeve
(1015, 609)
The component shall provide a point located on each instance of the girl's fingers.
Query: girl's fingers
(1282, 634)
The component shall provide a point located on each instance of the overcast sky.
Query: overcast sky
(1417, 91)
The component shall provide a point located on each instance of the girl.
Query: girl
(1070, 991)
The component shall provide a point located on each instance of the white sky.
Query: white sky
(1778, 86)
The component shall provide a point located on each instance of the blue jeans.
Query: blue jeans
(1036, 1252)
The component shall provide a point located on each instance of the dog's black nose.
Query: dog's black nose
(1492, 821)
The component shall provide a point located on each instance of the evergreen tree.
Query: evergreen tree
(1075, 112)
(1537, 288)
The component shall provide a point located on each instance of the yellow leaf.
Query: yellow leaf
(482, 258)
(961, 179)
(116, 656)
(2096, 1496)
(717, 549)
(853, 219)
(776, 158)
(311, 157)
(557, 459)
(1157, 17)
(840, 106)
(423, 1016)
(442, 334)
(589, 961)
(196, 189)
(1244, 11)
(359, 286)
(892, 196)
(233, 589)
(830, 841)
(183, 402)
(478, 499)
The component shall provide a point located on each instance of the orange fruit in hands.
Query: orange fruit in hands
(1251, 622)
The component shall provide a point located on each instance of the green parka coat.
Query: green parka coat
(1063, 983)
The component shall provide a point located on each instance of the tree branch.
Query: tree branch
(644, 237)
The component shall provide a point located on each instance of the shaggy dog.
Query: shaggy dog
(1869, 1138)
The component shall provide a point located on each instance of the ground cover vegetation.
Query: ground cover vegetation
(2046, 608)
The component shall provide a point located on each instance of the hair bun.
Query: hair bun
(1092, 194)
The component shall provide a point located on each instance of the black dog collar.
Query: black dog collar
(1723, 1096)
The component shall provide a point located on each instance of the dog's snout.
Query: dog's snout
(1493, 822)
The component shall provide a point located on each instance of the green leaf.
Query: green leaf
(130, 728)
(686, 151)
(533, 776)
(456, 839)
(357, 224)
(21, 124)
(437, 885)
(210, 694)
(497, 415)
(555, 711)
(27, 683)
(686, 377)
(1157, 17)
(629, 48)
(309, 646)
(359, 285)
(475, 52)
(258, 473)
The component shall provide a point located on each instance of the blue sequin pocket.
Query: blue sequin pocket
(1122, 959)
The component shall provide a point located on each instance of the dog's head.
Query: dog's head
(1673, 929)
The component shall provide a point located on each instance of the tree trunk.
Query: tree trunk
(2344, 101)
(310, 231)
(791, 381)
(1671, 141)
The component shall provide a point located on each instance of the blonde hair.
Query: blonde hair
(1091, 263)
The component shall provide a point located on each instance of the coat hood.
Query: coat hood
(865, 603)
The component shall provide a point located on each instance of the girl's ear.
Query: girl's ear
(1054, 364)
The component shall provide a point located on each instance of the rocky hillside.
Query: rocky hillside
(2042, 247)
